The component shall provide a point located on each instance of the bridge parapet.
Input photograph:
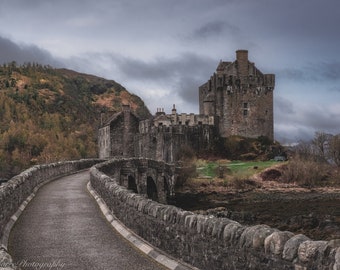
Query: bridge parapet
(149, 178)
(204, 241)
(21, 187)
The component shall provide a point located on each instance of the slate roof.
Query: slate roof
(115, 116)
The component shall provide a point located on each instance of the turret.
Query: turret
(269, 80)
(174, 115)
(209, 104)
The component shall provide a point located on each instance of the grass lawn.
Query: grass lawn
(233, 168)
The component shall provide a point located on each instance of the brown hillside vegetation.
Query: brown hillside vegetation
(49, 114)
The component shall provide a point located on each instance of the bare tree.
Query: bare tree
(304, 150)
(320, 142)
(334, 149)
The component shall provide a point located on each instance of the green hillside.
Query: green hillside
(49, 114)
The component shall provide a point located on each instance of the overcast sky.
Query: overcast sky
(163, 50)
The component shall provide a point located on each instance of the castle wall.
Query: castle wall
(165, 143)
(104, 142)
(117, 137)
(209, 242)
(236, 100)
(247, 112)
(130, 128)
(241, 96)
(117, 130)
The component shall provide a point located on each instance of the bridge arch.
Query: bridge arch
(166, 188)
(151, 189)
(132, 185)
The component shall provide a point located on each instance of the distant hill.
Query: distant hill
(49, 114)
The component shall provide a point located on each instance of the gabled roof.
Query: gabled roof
(222, 65)
(115, 117)
(162, 117)
(111, 119)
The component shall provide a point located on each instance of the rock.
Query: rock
(290, 250)
(310, 250)
(275, 242)
(232, 232)
(337, 260)
(254, 236)
(6, 262)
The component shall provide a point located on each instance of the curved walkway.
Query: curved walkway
(62, 228)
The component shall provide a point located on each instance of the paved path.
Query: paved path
(62, 228)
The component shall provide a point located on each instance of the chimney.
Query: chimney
(126, 108)
(174, 109)
(242, 62)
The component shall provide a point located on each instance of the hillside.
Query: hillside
(49, 114)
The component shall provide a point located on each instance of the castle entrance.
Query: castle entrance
(151, 189)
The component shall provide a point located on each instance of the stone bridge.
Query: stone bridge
(203, 241)
(153, 179)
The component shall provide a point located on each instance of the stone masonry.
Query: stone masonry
(203, 241)
(236, 100)
(116, 135)
(241, 97)
(19, 190)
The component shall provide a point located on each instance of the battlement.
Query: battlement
(161, 119)
(236, 100)
(241, 97)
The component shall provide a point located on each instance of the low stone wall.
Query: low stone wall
(20, 187)
(208, 242)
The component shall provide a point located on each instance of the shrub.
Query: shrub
(240, 182)
(186, 165)
(304, 172)
(184, 173)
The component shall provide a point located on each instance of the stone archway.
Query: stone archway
(132, 184)
(166, 187)
(151, 189)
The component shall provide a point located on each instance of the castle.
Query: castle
(236, 100)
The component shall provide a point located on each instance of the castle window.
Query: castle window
(245, 105)
(245, 112)
(220, 81)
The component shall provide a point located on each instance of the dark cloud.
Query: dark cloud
(10, 51)
(170, 48)
(335, 88)
(136, 69)
(329, 70)
(321, 118)
(284, 106)
(184, 73)
(292, 134)
(311, 20)
(215, 28)
(316, 71)
(297, 121)
(292, 74)
(188, 89)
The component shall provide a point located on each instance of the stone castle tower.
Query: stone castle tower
(241, 98)
(236, 100)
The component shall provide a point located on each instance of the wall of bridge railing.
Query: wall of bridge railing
(19, 190)
(208, 242)
(204, 241)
